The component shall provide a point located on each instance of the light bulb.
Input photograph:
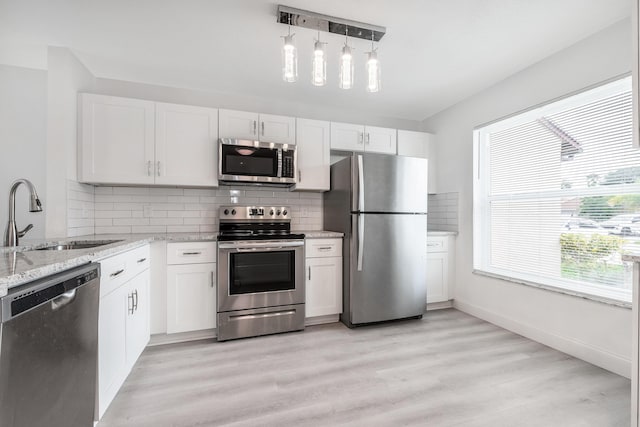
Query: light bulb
(319, 65)
(289, 60)
(373, 72)
(346, 68)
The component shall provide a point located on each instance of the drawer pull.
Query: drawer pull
(191, 253)
(325, 248)
(117, 273)
(141, 260)
(433, 244)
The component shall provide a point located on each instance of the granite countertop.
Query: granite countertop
(22, 264)
(441, 233)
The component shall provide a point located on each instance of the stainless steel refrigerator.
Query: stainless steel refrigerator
(379, 202)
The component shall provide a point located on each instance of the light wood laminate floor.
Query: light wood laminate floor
(449, 369)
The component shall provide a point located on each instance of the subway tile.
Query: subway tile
(149, 229)
(183, 228)
(99, 206)
(131, 190)
(131, 221)
(165, 221)
(113, 214)
(103, 222)
(184, 214)
(113, 230)
(103, 190)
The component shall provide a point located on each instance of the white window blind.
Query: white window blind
(557, 194)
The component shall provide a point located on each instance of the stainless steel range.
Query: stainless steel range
(260, 272)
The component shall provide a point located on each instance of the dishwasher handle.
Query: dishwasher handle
(58, 289)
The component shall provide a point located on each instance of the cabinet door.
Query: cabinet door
(323, 286)
(419, 144)
(112, 359)
(281, 129)
(186, 145)
(380, 140)
(437, 277)
(238, 124)
(138, 312)
(313, 146)
(347, 136)
(191, 297)
(116, 140)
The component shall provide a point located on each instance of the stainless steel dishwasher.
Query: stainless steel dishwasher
(48, 350)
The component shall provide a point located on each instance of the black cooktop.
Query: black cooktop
(257, 231)
(275, 236)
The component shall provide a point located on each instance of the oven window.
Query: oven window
(239, 160)
(261, 272)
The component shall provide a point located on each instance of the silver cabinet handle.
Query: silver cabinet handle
(325, 248)
(191, 253)
(130, 303)
(433, 244)
(309, 272)
(116, 273)
(262, 128)
(368, 138)
(158, 168)
(149, 168)
(360, 136)
(135, 300)
(141, 260)
(254, 126)
(262, 315)
(212, 279)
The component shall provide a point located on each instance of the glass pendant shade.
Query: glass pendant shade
(319, 65)
(289, 60)
(373, 72)
(346, 68)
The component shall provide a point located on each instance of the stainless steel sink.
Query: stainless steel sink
(80, 244)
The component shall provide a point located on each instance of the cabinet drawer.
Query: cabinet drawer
(138, 260)
(191, 252)
(118, 269)
(315, 248)
(437, 244)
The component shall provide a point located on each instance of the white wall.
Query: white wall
(23, 136)
(66, 77)
(593, 331)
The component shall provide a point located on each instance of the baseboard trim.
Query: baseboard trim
(439, 305)
(162, 339)
(596, 356)
(319, 320)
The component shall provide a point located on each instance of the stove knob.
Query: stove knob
(271, 212)
(233, 211)
(278, 212)
(284, 212)
(226, 211)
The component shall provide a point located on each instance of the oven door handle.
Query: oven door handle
(260, 245)
(264, 249)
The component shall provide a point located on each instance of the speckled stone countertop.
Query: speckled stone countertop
(315, 234)
(22, 264)
(631, 257)
(441, 233)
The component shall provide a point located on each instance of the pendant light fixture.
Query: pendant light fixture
(289, 58)
(373, 69)
(346, 64)
(319, 64)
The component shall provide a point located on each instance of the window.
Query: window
(557, 194)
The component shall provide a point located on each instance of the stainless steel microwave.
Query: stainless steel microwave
(246, 161)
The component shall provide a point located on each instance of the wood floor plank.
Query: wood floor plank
(448, 369)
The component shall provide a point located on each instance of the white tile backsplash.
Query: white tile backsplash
(443, 212)
(122, 210)
(80, 209)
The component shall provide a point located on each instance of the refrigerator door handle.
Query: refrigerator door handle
(360, 240)
(360, 184)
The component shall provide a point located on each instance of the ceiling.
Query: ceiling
(435, 52)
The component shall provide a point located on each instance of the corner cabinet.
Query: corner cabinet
(132, 141)
(372, 139)
(423, 145)
(260, 127)
(323, 284)
(313, 151)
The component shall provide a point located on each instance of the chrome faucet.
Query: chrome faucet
(12, 234)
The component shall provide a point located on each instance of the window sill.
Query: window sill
(596, 298)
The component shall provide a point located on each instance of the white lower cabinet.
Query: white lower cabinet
(440, 266)
(323, 277)
(123, 320)
(191, 297)
(191, 286)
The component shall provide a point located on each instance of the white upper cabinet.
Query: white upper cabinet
(186, 145)
(130, 141)
(116, 140)
(313, 145)
(254, 126)
(351, 137)
(423, 145)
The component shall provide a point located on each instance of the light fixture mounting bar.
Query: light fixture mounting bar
(330, 24)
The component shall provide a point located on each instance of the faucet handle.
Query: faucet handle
(25, 231)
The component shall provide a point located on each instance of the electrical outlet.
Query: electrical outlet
(304, 211)
(147, 211)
